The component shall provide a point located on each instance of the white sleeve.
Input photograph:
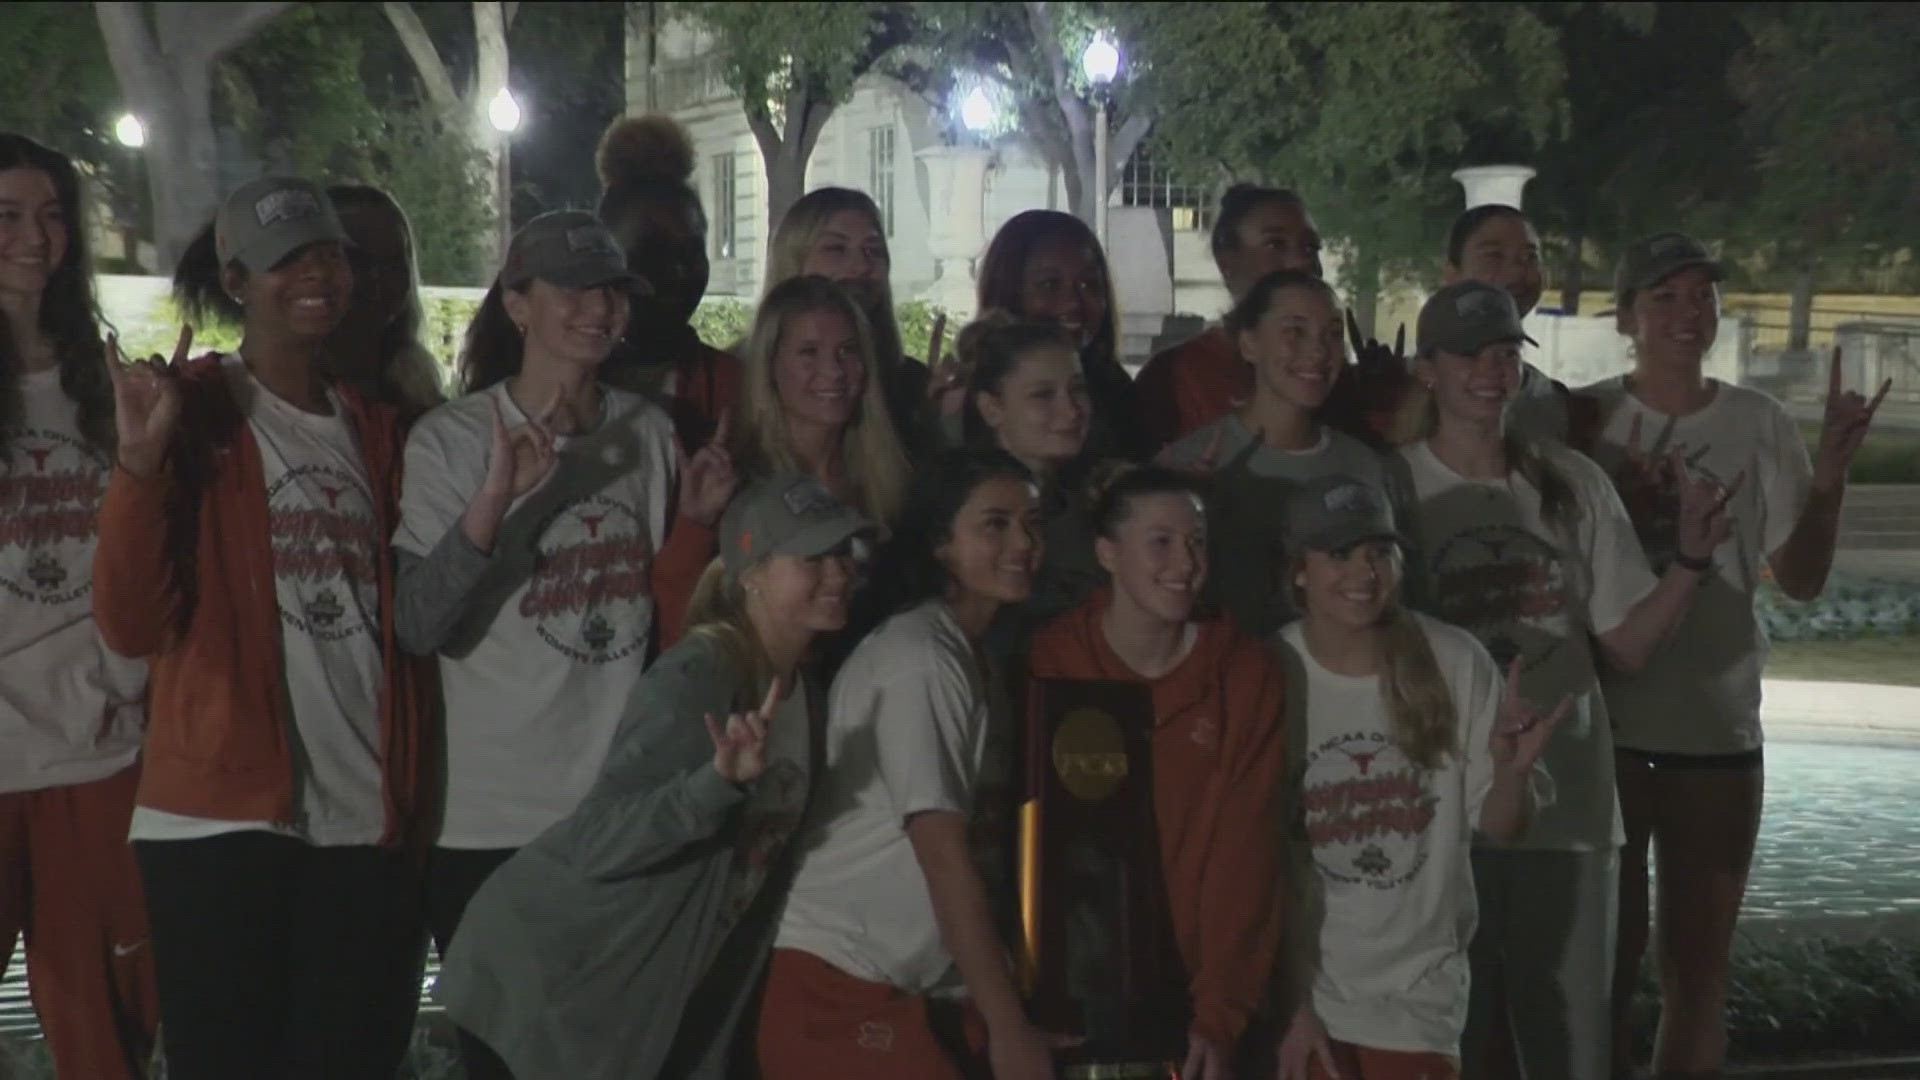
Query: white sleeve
(436, 488)
(1621, 577)
(924, 721)
(1786, 479)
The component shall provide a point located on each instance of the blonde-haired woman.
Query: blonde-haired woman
(1405, 745)
(662, 887)
(839, 234)
(810, 402)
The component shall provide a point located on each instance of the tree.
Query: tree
(164, 60)
(465, 107)
(792, 65)
(60, 87)
(1833, 117)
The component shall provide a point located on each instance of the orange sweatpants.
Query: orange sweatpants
(820, 1023)
(1366, 1063)
(68, 879)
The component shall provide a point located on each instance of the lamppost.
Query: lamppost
(130, 132)
(977, 114)
(503, 112)
(1101, 62)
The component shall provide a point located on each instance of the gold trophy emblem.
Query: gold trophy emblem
(1090, 754)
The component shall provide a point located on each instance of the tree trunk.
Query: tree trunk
(168, 67)
(1572, 267)
(1800, 310)
(784, 154)
(1363, 291)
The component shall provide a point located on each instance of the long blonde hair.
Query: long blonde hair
(793, 239)
(1426, 726)
(1559, 503)
(869, 446)
(717, 614)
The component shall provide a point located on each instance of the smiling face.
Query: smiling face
(1064, 281)
(1275, 235)
(993, 550)
(1350, 589)
(794, 597)
(577, 327)
(1298, 347)
(1473, 388)
(1158, 556)
(1676, 320)
(33, 232)
(819, 375)
(1039, 413)
(1504, 252)
(850, 248)
(302, 298)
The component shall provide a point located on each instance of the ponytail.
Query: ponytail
(198, 290)
(1559, 504)
(1425, 724)
(493, 350)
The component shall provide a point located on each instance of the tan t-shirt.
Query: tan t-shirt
(1700, 692)
(1488, 562)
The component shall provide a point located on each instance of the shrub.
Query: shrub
(1844, 610)
(722, 324)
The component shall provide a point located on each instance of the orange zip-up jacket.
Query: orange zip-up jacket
(183, 577)
(1217, 759)
(1189, 386)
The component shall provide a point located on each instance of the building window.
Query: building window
(726, 221)
(880, 174)
(1144, 183)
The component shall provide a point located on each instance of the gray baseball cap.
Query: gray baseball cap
(1657, 258)
(567, 248)
(792, 514)
(268, 219)
(1333, 513)
(1468, 316)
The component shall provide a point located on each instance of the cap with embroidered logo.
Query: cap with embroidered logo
(567, 248)
(1657, 258)
(268, 219)
(785, 515)
(1333, 513)
(1468, 316)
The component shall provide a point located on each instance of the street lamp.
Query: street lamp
(503, 112)
(977, 112)
(130, 131)
(1101, 62)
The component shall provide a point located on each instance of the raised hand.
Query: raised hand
(707, 479)
(1206, 1060)
(1305, 1043)
(1704, 521)
(1843, 426)
(1648, 486)
(1520, 735)
(947, 387)
(520, 458)
(146, 403)
(740, 744)
(1374, 359)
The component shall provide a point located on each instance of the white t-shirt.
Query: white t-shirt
(1491, 565)
(560, 626)
(1247, 498)
(1700, 691)
(912, 727)
(70, 710)
(326, 554)
(1382, 920)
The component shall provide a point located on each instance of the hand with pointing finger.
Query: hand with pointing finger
(1704, 522)
(1520, 734)
(947, 387)
(707, 479)
(146, 404)
(519, 458)
(1843, 427)
(740, 744)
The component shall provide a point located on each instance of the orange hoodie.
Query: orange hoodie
(183, 577)
(1189, 386)
(1217, 749)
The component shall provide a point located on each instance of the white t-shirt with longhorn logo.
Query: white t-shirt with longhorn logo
(555, 635)
(70, 710)
(1531, 591)
(1380, 897)
(1700, 691)
(326, 546)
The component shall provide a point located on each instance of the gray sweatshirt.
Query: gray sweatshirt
(627, 941)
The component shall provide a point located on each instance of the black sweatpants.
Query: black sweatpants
(276, 958)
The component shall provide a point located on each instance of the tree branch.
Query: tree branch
(507, 12)
(426, 59)
(131, 49)
(490, 51)
(1126, 139)
(207, 32)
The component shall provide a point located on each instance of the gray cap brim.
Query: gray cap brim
(289, 238)
(1341, 539)
(823, 536)
(588, 277)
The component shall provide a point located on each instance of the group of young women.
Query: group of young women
(675, 694)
